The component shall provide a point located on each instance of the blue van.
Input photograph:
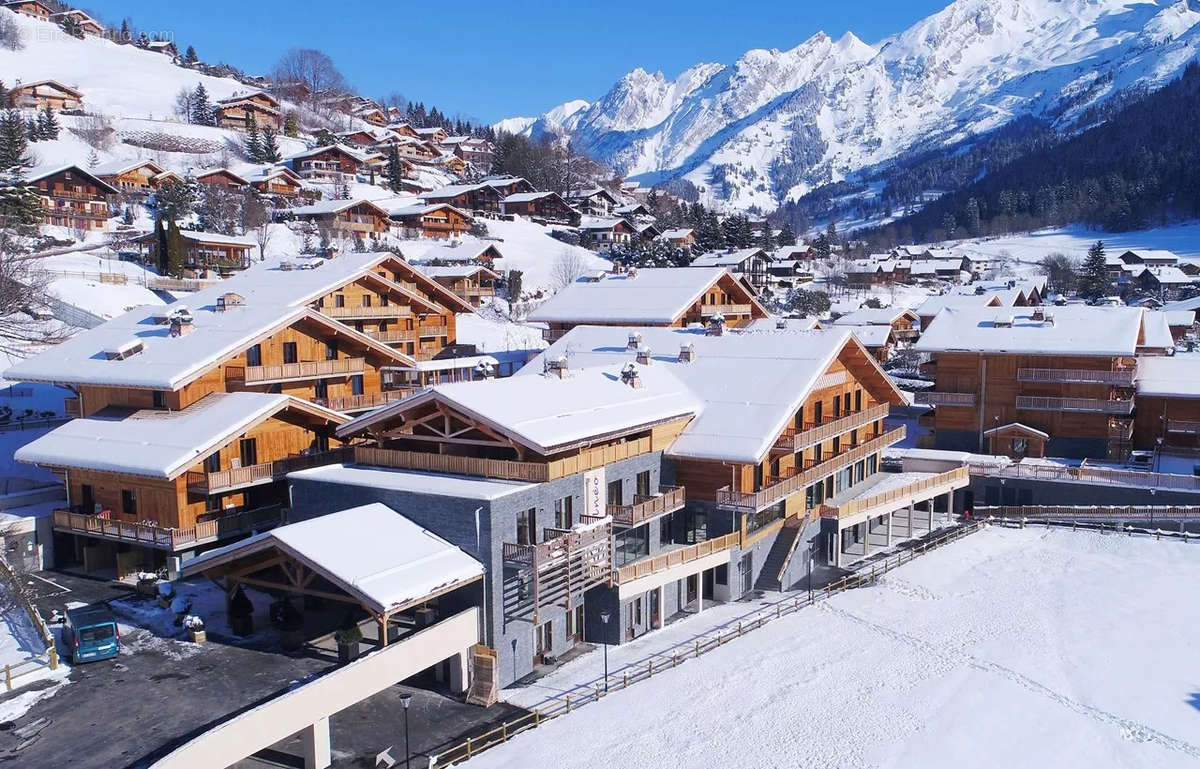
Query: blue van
(91, 634)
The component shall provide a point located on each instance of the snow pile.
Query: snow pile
(1010, 648)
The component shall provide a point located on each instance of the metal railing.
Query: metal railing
(1091, 475)
(1098, 405)
(1078, 376)
(956, 478)
(1149, 514)
(793, 440)
(787, 486)
(305, 370)
(668, 500)
(931, 398)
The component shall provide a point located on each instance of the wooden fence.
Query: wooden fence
(49, 656)
(623, 678)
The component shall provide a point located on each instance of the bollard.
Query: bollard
(8, 677)
(650, 667)
(697, 648)
(568, 703)
(625, 680)
(54, 653)
(504, 732)
(468, 747)
(675, 660)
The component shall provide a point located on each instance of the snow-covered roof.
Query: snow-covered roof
(453, 191)
(465, 251)
(200, 174)
(872, 335)
(1153, 255)
(208, 237)
(730, 258)
(749, 383)
(550, 414)
(935, 304)
(869, 316)
(1018, 426)
(678, 234)
(1172, 376)
(448, 364)
(1156, 332)
(322, 148)
(782, 324)
(1069, 330)
(457, 271)
(1192, 304)
(653, 295)
(275, 298)
(1179, 317)
(1168, 275)
(158, 443)
(415, 482)
(118, 167)
(371, 552)
(41, 171)
(322, 207)
(526, 197)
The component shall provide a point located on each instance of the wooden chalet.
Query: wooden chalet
(408, 148)
(594, 201)
(327, 164)
(223, 178)
(1168, 405)
(279, 181)
(672, 297)
(466, 252)
(474, 283)
(508, 185)
(72, 197)
(468, 197)
(89, 25)
(439, 220)
(883, 330)
(45, 94)
(475, 150)
(373, 115)
(681, 238)
(259, 107)
(1068, 372)
(747, 263)
(436, 134)
(208, 472)
(540, 207)
(455, 165)
(403, 129)
(346, 218)
(206, 252)
(603, 234)
(31, 8)
(142, 176)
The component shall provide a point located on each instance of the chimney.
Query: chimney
(182, 325)
(687, 353)
(629, 375)
(618, 268)
(716, 325)
(643, 356)
(485, 370)
(1039, 314)
(557, 367)
(635, 341)
(632, 272)
(780, 323)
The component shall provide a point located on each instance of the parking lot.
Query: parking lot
(161, 691)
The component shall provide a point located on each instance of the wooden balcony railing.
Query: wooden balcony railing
(393, 336)
(906, 333)
(264, 472)
(675, 558)
(366, 400)
(956, 478)
(930, 398)
(797, 480)
(374, 311)
(793, 440)
(1182, 426)
(1078, 376)
(1097, 405)
(279, 372)
(668, 500)
(218, 526)
(709, 310)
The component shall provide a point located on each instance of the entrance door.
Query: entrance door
(87, 499)
(690, 589)
(544, 641)
(746, 571)
(655, 616)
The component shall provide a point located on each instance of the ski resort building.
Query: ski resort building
(651, 297)
(72, 197)
(131, 176)
(1054, 381)
(44, 94)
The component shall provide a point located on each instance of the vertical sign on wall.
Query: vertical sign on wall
(595, 493)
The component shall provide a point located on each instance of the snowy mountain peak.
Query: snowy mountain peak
(775, 124)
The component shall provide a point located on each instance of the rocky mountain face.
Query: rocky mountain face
(776, 124)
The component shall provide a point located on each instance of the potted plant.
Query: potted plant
(349, 643)
(291, 627)
(195, 629)
(147, 584)
(166, 594)
(241, 614)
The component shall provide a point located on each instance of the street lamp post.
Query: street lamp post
(604, 616)
(406, 700)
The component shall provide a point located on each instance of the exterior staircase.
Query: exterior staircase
(771, 576)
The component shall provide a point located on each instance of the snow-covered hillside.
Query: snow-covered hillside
(775, 124)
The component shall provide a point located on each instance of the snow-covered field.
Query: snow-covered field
(1011, 648)
(1030, 248)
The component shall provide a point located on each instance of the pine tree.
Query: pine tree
(1093, 280)
(14, 143)
(269, 145)
(189, 56)
(3, 93)
(160, 245)
(767, 240)
(126, 32)
(93, 160)
(786, 236)
(176, 250)
(47, 126)
(395, 170)
(72, 27)
(325, 138)
(202, 111)
(290, 127)
(252, 145)
(31, 130)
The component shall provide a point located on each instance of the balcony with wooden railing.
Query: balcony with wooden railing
(1096, 405)
(213, 527)
(795, 480)
(931, 398)
(792, 440)
(373, 312)
(1122, 429)
(365, 401)
(392, 336)
(900, 496)
(559, 570)
(1123, 378)
(282, 372)
(220, 481)
(906, 334)
(646, 508)
(708, 310)
(674, 558)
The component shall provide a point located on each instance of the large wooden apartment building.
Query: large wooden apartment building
(45, 94)
(651, 297)
(1038, 381)
(257, 107)
(72, 197)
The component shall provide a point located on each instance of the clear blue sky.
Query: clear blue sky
(489, 60)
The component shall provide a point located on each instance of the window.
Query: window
(384, 301)
(1020, 446)
(527, 527)
(366, 300)
(248, 451)
(615, 496)
(858, 399)
(212, 463)
(160, 399)
(339, 300)
(128, 501)
(320, 389)
(666, 532)
(817, 453)
(817, 412)
(563, 518)
(837, 406)
(289, 352)
(872, 464)
(331, 351)
(643, 484)
(829, 488)
(254, 355)
(545, 638)
(837, 445)
(356, 384)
